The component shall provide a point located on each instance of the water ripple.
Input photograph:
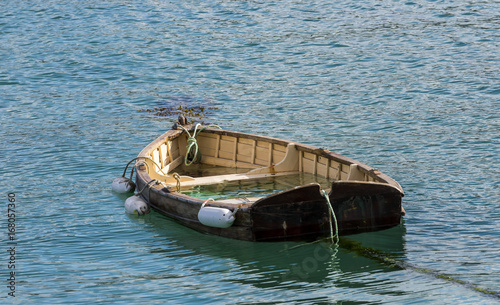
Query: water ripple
(408, 87)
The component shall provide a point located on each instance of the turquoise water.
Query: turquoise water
(409, 87)
(240, 188)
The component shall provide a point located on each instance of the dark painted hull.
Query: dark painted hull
(301, 213)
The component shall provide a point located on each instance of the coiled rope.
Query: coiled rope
(192, 144)
(332, 236)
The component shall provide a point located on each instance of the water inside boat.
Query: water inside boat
(243, 188)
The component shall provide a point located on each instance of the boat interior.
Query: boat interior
(232, 156)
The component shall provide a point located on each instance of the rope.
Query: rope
(178, 178)
(147, 185)
(192, 144)
(336, 236)
(207, 201)
(154, 162)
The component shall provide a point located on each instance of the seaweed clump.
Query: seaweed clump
(174, 107)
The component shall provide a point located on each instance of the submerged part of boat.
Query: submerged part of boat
(265, 189)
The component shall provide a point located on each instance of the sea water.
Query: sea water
(408, 87)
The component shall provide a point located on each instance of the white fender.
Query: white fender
(136, 205)
(216, 217)
(122, 185)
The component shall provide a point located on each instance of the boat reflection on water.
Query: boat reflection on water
(268, 264)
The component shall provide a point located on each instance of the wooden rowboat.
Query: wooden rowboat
(299, 208)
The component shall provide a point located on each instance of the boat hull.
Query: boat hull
(299, 213)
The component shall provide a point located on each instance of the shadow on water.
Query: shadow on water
(292, 264)
(277, 263)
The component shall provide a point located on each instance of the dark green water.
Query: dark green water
(409, 87)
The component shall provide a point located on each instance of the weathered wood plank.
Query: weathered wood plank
(228, 178)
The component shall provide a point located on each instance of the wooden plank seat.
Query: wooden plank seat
(187, 181)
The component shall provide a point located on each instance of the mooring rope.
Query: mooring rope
(332, 236)
(193, 144)
(388, 260)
